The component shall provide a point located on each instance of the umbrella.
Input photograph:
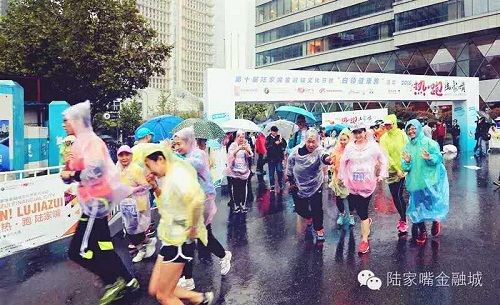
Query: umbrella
(240, 124)
(337, 127)
(290, 113)
(161, 126)
(203, 129)
(286, 128)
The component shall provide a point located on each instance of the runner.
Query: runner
(426, 181)
(135, 210)
(185, 145)
(89, 164)
(393, 142)
(180, 205)
(361, 161)
(304, 172)
(238, 169)
(339, 189)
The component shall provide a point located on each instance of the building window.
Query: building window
(330, 18)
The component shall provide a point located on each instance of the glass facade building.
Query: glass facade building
(451, 38)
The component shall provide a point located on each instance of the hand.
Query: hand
(406, 157)
(151, 179)
(293, 188)
(400, 174)
(192, 233)
(66, 175)
(329, 160)
(425, 154)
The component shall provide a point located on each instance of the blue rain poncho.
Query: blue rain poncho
(427, 180)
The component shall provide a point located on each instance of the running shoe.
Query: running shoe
(150, 247)
(402, 226)
(151, 230)
(436, 228)
(272, 189)
(497, 182)
(244, 209)
(309, 223)
(414, 231)
(225, 263)
(132, 286)
(187, 284)
(352, 221)
(140, 255)
(131, 246)
(341, 219)
(208, 298)
(422, 237)
(113, 292)
(320, 235)
(364, 247)
(237, 209)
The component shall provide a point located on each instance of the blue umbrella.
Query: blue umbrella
(291, 113)
(337, 127)
(161, 126)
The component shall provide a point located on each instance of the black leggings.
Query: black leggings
(361, 204)
(397, 189)
(239, 191)
(213, 245)
(340, 205)
(91, 248)
(311, 207)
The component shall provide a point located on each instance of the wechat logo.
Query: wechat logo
(368, 278)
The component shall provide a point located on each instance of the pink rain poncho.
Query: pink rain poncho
(427, 180)
(99, 188)
(337, 153)
(199, 160)
(237, 165)
(358, 167)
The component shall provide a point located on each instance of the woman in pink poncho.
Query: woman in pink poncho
(358, 171)
(238, 169)
(99, 187)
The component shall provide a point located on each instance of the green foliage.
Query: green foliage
(102, 125)
(129, 117)
(97, 50)
(252, 112)
(406, 114)
(494, 113)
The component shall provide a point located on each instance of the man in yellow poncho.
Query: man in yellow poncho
(393, 142)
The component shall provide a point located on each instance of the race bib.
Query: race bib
(359, 176)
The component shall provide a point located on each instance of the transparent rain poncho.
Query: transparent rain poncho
(427, 180)
(181, 197)
(99, 189)
(136, 216)
(338, 189)
(199, 160)
(306, 171)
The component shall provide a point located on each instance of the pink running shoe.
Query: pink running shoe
(402, 226)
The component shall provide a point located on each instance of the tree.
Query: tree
(129, 117)
(97, 50)
(252, 112)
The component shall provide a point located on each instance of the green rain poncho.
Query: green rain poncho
(427, 180)
(393, 142)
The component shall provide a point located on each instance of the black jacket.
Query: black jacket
(275, 152)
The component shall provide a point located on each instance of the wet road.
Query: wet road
(275, 262)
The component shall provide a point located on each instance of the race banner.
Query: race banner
(36, 211)
(366, 117)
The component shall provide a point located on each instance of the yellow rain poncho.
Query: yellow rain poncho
(181, 199)
(393, 143)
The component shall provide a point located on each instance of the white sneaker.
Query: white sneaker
(140, 255)
(187, 284)
(225, 263)
(150, 247)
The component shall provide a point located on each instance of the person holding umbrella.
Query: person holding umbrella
(299, 136)
(276, 146)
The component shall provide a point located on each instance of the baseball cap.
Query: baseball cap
(388, 122)
(143, 132)
(124, 148)
(358, 127)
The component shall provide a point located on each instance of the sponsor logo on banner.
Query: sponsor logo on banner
(36, 211)
(266, 90)
(324, 90)
(305, 90)
(394, 91)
